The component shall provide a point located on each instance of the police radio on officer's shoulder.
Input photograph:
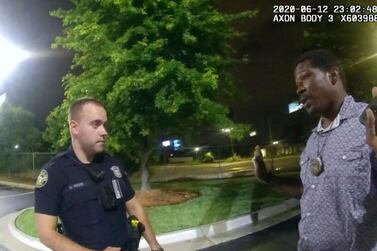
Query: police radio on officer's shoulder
(373, 106)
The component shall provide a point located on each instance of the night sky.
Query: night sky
(36, 83)
(266, 83)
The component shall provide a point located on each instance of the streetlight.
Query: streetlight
(276, 142)
(227, 131)
(253, 133)
(196, 149)
(3, 98)
(166, 144)
(10, 56)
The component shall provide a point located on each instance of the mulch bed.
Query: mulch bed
(157, 197)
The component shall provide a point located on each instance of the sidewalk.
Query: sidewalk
(16, 185)
(7, 240)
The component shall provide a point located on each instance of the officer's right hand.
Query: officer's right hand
(111, 249)
(260, 170)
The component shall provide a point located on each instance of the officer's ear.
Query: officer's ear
(73, 127)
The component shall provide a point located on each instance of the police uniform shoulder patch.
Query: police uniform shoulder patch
(116, 171)
(42, 179)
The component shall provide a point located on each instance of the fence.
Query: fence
(191, 162)
(23, 164)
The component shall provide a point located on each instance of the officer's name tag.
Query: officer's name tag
(77, 185)
(117, 189)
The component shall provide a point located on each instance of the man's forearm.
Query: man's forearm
(148, 234)
(285, 185)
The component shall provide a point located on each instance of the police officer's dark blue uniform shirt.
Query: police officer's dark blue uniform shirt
(66, 189)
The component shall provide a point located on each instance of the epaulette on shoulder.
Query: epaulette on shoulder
(55, 160)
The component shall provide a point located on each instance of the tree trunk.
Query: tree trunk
(145, 183)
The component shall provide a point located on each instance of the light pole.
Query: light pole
(166, 145)
(271, 143)
(227, 131)
(196, 149)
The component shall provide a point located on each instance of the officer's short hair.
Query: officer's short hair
(76, 106)
(322, 59)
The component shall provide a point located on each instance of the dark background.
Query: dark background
(265, 84)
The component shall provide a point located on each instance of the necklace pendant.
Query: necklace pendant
(316, 166)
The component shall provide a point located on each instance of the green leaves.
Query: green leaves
(16, 128)
(155, 65)
(239, 131)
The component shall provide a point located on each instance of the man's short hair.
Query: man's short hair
(324, 60)
(76, 106)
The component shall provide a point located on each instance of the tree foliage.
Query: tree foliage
(239, 131)
(156, 64)
(16, 128)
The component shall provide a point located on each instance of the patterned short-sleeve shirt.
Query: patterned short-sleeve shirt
(339, 206)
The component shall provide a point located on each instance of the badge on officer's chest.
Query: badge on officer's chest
(316, 166)
(116, 171)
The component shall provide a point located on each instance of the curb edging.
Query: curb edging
(22, 237)
(213, 233)
(16, 185)
(250, 223)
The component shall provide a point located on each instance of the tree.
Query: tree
(236, 133)
(156, 64)
(16, 129)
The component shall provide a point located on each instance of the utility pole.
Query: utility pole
(271, 143)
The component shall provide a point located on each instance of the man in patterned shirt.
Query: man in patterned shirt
(338, 176)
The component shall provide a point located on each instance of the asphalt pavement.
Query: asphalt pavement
(283, 236)
(13, 200)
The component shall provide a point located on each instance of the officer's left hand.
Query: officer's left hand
(371, 130)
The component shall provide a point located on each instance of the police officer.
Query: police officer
(88, 190)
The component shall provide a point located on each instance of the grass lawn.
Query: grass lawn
(217, 200)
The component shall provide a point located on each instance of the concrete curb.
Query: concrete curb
(16, 185)
(202, 236)
(226, 230)
(22, 237)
